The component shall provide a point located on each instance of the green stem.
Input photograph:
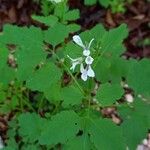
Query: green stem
(40, 103)
(76, 82)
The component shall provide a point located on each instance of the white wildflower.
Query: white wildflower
(85, 61)
(89, 60)
(75, 62)
(86, 49)
(87, 72)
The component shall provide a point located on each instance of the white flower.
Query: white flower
(86, 49)
(87, 72)
(75, 62)
(89, 60)
(86, 59)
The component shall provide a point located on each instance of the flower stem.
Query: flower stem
(76, 82)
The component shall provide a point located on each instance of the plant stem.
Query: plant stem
(76, 82)
(40, 103)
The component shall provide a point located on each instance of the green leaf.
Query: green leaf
(139, 77)
(104, 3)
(60, 10)
(30, 147)
(50, 20)
(73, 28)
(71, 95)
(22, 36)
(73, 50)
(28, 46)
(112, 41)
(56, 34)
(110, 68)
(53, 93)
(79, 143)
(108, 93)
(3, 56)
(98, 32)
(135, 122)
(90, 2)
(102, 131)
(44, 78)
(61, 128)
(31, 126)
(72, 15)
(11, 145)
(7, 74)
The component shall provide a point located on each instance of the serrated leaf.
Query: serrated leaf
(135, 122)
(7, 74)
(22, 36)
(61, 128)
(26, 63)
(101, 131)
(104, 130)
(53, 38)
(98, 32)
(28, 46)
(71, 95)
(112, 40)
(44, 78)
(79, 143)
(50, 20)
(53, 94)
(73, 28)
(72, 15)
(60, 10)
(138, 77)
(108, 93)
(110, 68)
(31, 126)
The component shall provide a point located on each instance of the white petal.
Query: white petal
(82, 68)
(90, 72)
(84, 75)
(74, 65)
(89, 60)
(90, 43)
(86, 52)
(79, 59)
(77, 40)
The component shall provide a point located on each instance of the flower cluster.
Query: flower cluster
(86, 70)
